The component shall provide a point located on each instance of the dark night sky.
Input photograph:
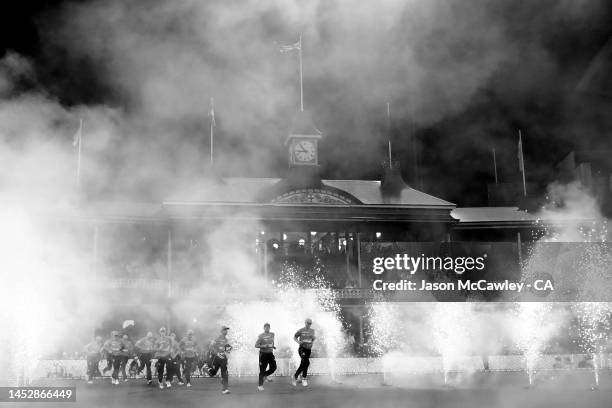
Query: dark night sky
(535, 94)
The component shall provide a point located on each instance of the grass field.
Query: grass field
(570, 389)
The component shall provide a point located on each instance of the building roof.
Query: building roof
(368, 192)
(513, 216)
(252, 190)
(492, 214)
(227, 190)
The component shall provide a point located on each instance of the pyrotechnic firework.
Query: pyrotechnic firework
(454, 328)
(533, 327)
(39, 290)
(293, 299)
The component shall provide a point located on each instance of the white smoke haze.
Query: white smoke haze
(573, 249)
(47, 301)
(577, 211)
(44, 292)
(162, 61)
(530, 328)
(165, 60)
(234, 292)
(463, 336)
(460, 333)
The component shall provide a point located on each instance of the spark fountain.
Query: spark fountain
(594, 326)
(21, 289)
(384, 334)
(293, 298)
(38, 288)
(532, 328)
(406, 336)
(580, 268)
(594, 317)
(453, 325)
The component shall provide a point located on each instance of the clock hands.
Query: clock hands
(304, 151)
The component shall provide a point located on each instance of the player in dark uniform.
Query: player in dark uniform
(265, 344)
(115, 349)
(163, 347)
(109, 360)
(126, 355)
(189, 348)
(218, 351)
(175, 359)
(144, 349)
(93, 351)
(304, 337)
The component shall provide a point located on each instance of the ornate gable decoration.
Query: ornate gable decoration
(313, 196)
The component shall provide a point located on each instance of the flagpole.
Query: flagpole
(389, 132)
(212, 130)
(495, 165)
(292, 47)
(79, 141)
(522, 163)
(301, 83)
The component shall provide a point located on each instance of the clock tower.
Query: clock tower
(303, 148)
(302, 142)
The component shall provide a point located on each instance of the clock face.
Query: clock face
(305, 151)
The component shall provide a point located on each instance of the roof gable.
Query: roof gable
(251, 190)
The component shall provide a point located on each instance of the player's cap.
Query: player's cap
(308, 320)
(114, 333)
(162, 329)
(267, 324)
(224, 328)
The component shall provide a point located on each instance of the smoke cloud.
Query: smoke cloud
(141, 74)
(430, 60)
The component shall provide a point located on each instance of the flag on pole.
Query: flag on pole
(297, 47)
(291, 47)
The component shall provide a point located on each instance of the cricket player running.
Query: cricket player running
(218, 351)
(265, 344)
(115, 349)
(189, 347)
(93, 351)
(163, 347)
(175, 360)
(304, 337)
(144, 349)
(126, 355)
(109, 361)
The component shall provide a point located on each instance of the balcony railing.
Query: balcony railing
(179, 290)
(354, 293)
(139, 283)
